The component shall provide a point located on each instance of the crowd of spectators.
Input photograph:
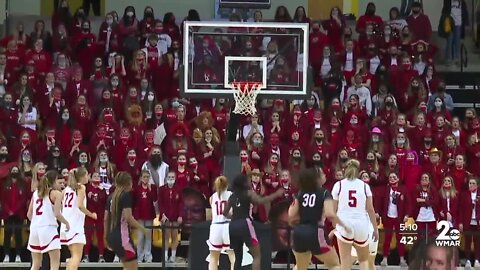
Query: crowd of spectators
(110, 102)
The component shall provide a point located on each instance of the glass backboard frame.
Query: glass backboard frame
(193, 92)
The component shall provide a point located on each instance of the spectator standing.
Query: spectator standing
(419, 23)
(95, 6)
(157, 167)
(396, 22)
(14, 197)
(369, 18)
(457, 10)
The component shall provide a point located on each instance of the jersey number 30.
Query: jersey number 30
(309, 200)
(352, 200)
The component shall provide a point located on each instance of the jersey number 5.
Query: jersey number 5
(309, 200)
(352, 200)
(38, 209)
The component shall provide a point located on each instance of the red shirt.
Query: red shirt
(183, 179)
(13, 201)
(170, 202)
(144, 198)
(96, 201)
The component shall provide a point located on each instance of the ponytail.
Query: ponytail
(351, 172)
(74, 175)
(220, 185)
(46, 183)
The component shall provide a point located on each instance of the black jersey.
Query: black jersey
(311, 205)
(124, 201)
(241, 205)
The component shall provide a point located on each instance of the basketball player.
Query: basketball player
(241, 228)
(219, 237)
(74, 210)
(118, 217)
(43, 212)
(354, 204)
(372, 244)
(305, 214)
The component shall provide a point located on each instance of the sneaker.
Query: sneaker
(468, 264)
(85, 259)
(172, 259)
(403, 263)
(116, 259)
(148, 259)
(18, 259)
(101, 259)
(384, 262)
(476, 264)
(6, 259)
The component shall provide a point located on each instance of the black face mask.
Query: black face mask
(156, 160)
(389, 104)
(371, 12)
(318, 139)
(297, 158)
(318, 163)
(343, 159)
(3, 156)
(415, 88)
(15, 175)
(428, 141)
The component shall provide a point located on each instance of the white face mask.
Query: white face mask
(170, 182)
(150, 97)
(438, 104)
(65, 116)
(109, 21)
(104, 159)
(130, 13)
(354, 121)
(400, 141)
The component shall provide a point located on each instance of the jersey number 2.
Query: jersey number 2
(309, 200)
(68, 200)
(38, 209)
(220, 205)
(352, 200)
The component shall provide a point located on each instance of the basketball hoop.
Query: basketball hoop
(245, 95)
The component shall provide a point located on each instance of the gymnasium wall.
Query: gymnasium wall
(206, 7)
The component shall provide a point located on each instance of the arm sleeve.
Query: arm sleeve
(368, 191)
(327, 195)
(335, 191)
(126, 201)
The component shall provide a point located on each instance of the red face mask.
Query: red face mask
(274, 162)
(77, 137)
(243, 159)
(40, 174)
(158, 114)
(25, 141)
(335, 107)
(108, 117)
(181, 163)
(194, 165)
(132, 157)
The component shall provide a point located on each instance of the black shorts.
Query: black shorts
(122, 246)
(242, 231)
(309, 238)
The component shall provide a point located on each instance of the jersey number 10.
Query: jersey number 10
(220, 205)
(309, 200)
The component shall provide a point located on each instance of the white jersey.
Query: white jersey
(352, 198)
(218, 204)
(71, 212)
(43, 214)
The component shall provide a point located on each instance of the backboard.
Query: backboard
(245, 3)
(216, 53)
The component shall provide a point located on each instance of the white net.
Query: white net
(245, 95)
